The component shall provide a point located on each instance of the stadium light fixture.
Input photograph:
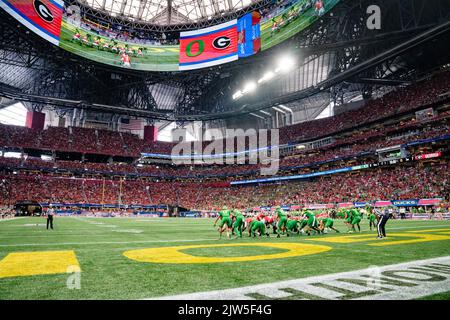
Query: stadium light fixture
(237, 95)
(266, 77)
(265, 112)
(249, 87)
(285, 64)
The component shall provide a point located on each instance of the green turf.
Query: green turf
(106, 273)
(438, 296)
(231, 251)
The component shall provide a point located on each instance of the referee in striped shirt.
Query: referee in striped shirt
(383, 217)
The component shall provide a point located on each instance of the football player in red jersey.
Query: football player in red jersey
(270, 221)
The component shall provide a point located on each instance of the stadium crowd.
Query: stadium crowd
(391, 104)
(353, 137)
(85, 140)
(400, 182)
(354, 143)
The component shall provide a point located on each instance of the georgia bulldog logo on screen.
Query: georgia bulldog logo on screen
(221, 42)
(43, 11)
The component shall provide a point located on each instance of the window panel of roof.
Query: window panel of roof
(108, 5)
(116, 6)
(222, 6)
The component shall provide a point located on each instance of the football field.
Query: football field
(144, 258)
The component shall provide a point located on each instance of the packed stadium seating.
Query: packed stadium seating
(86, 140)
(355, 136)
(400, 182)
(395, 102)
(355, 142)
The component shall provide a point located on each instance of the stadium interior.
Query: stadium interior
(356, 114)
(343, 101)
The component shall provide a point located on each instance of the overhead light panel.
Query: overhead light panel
(285, 64)
(237, 95)
(266, 77)
(249, 87)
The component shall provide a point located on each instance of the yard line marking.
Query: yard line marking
(11, 219)
(103, 242)
(127, 231)
(417, 227)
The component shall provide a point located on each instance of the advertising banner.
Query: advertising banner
(420, 216)
(361, 204)
(383, 203)
(429, 202)
(316, 206)
(345, 205)
(427, 156)
(405, 203)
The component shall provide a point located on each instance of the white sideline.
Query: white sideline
(102, 242)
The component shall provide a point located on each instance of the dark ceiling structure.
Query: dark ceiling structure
(338, 58)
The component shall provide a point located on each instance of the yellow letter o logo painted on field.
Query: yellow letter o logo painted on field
(174, 254)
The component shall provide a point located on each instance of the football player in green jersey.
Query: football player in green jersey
(225, 221)
(238, 224)
(348, 220)
(341, 214)
(372, 217)
(292, 226)
(282, 220)
(356, 219)
(311, 221)
(327, 223)
(258, 227)
(303, 223)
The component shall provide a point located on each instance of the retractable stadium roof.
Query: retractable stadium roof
(167, 12)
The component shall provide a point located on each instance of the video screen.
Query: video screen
(105, 44)
(119, 46)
